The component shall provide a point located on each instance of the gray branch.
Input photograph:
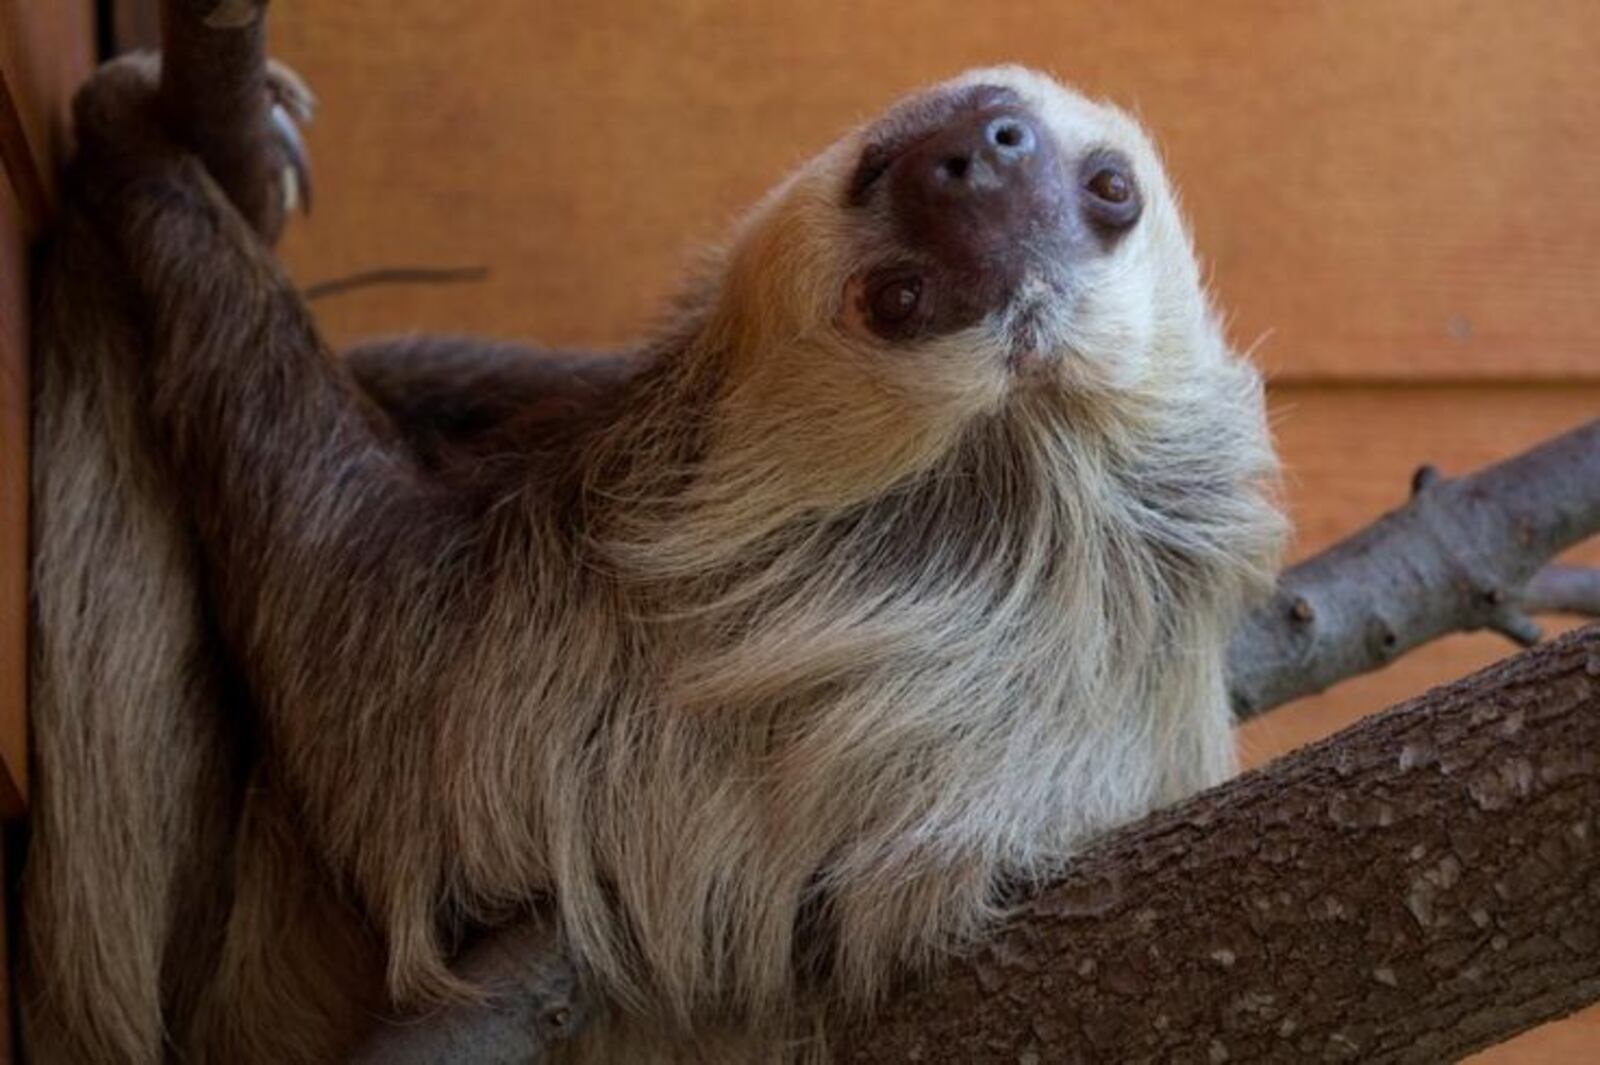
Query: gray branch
(1459, 556)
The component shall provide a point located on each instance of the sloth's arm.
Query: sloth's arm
(321, 531)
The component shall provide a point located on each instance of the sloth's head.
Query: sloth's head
(994, 243)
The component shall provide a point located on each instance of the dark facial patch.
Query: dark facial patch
(970, 195)
(974, 193)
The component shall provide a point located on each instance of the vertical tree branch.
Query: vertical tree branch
(215, 100)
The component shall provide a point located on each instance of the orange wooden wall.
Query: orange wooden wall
(45, 50)
(1396, 201)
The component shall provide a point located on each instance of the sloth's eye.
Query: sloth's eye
(895, 301)
(892, 302)
(1111, 198)
(1111, 186)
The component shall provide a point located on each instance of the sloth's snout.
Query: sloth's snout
(979, 205)
(982, 186)
(983, 155)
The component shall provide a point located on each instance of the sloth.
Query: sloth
(767, 657)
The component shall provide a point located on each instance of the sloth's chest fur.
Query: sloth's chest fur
(871, 717)
(1017, 557)
(1026, 612)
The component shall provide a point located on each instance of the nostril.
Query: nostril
(1011, 136)
(955, 167)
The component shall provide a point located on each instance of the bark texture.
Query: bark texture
(1458, 556)
(1422, 885)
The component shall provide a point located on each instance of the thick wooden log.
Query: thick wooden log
(1419, 886)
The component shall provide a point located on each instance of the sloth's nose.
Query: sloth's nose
(984, 181)
(981, 155)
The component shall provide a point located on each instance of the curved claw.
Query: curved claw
(289, 89)
(297, 189)
(293, 106)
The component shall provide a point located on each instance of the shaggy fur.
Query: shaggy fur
(766, 657)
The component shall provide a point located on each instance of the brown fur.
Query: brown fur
(765, 658)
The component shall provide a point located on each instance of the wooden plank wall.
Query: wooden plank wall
(1396, 201)
(45, 51)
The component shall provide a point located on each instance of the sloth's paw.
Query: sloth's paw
(121, 133)
(114, 114)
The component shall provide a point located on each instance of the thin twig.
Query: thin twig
(1564, 590)
(395, 275)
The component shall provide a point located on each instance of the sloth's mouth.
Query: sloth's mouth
(1030, 351)
(1031, 327)
(1026, 329)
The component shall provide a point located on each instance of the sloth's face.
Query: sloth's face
(993, 237)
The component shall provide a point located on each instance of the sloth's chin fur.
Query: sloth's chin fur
(1029, 340)
(1031, 332)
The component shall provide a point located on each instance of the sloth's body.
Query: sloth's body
(903, 561)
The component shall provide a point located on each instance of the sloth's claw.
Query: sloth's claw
(290, 90)
(292, 107)
(295, 176)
